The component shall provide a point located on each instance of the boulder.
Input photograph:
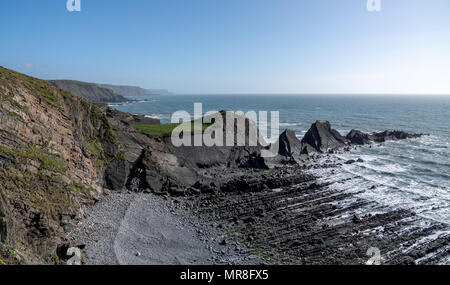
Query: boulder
(289, 144)
(322, 138)
(255, 161)
(392, 135)
(358, 137)
(116, 175)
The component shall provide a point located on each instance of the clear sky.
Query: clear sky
(234, 46)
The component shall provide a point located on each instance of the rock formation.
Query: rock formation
(358, 137)
(289, 144)
(322, 138)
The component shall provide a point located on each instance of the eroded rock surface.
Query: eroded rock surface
(322, 138)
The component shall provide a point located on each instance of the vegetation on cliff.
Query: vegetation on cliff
(54, 150)
(90, 91)
(134, 91)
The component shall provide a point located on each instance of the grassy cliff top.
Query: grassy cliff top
(89, 91)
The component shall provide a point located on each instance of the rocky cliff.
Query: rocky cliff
(59, 154)
(89, 91)
(55, 153)
(134, 91)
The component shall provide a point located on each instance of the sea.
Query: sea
(413, 174)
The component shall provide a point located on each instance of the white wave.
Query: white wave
(157, 116)
(289, 124)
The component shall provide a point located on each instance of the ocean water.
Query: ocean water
(412, 174)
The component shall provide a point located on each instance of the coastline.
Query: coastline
(300, 223)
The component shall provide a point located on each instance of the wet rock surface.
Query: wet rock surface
(283, 215)
(300, 221)
(322, 138)
(359, 138)
(289, 144)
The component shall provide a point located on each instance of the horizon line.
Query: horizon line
(315, 94)
(242, 93)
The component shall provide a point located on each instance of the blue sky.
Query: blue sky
(234, 46)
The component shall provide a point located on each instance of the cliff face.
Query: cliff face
(59, 153)
(89, 91)
(134, 91)
(55, 149)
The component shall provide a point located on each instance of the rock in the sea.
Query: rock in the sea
(392, 135)
(322, 138)
(358, 137)
(289, 144)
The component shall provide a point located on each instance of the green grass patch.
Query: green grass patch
(14, 114)
(164, 130)
(47, 193)
(44, 89)
(94, 147)
(121, 156)
(47, 161)
(100, 122)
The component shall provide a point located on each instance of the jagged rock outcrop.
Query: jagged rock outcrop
(244, 149)
(392, 135)
(160, 172)
(322, 138)
(289, 144)
(358, 138)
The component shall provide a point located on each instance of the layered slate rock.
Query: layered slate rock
(289, 144)
(358, 137)
(322, 138)
(55, 149)
(58, 154)
(392, 135)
